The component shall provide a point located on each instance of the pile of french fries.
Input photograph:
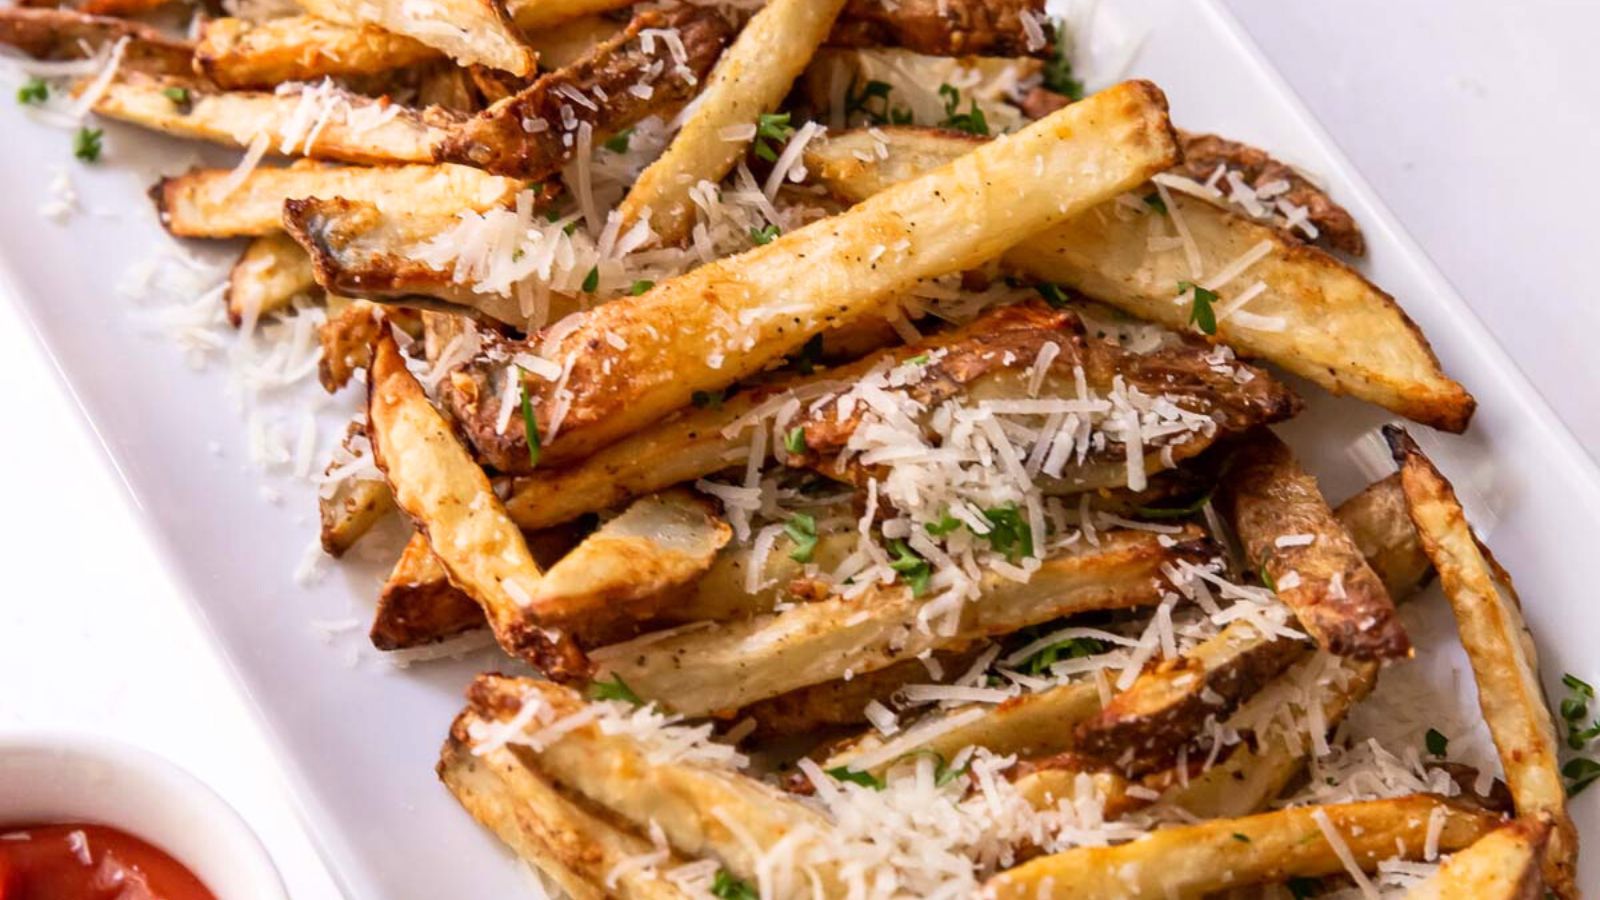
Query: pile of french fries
(771, 657)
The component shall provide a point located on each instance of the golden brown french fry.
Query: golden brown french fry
(534, 16)
(1195, 860)
(733, 317)
(353, 505)
(1044, 783)
(581, 848)
(944, 27)
(750, 79)
(1501, 649)
(742, 662)
(346, 338)
(468, 31)
(418, 604)
(269, 274)
(448, 496)
(213, 203)
(497, 140)
(238, 53)
(53, 34)
(1502, 865)
(843, 702)
(358, 129)
(1339, 330)
(113, 8)
(1289, 533)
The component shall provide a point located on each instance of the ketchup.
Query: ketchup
(89, 862)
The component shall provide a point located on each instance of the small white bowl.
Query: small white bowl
(50, 776)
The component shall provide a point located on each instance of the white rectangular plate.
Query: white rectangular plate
(359, 740)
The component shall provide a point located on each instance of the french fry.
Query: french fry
(1502, 865)
(733, 317)
(496, 139)
(535, 16)
(1504, 662)
(623, 572)
(750, 80)
(269, 274)
(418, 605)
(54, 34)
(583, 849)
(562, 45)
(358, 129)
(1340, 331)
(468, 31)
(110, 8)
(1289, 533)
(354, 505)
(943, 27)
(213, 203)
(840, 703)
(450, 499)
(1195, 860)
(238, 53)
(347, 338)
(742, 662)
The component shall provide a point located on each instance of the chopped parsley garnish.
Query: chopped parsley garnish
(773, 127)
(802, 529)
(1058, 71)
(946, 524)
(708, 399)
(1241, 838)
(1266, 578)
(530, 425)
(1575, 708)
(1580, 773)
(865, 779)
(1009, 533)
(618, 143)
(913, 569)
(764, 235)
(640, 286)
(591, 281)
(1436, 742)
(729, 887)
(33, 92)
(570, 228)
(615, 689)
(1071, 648)
(794, 440)
(810, 353)
(1053, 294)
(86, 144)
(875, 93)
(1154, 201)
(1174, 512)
(972, 121)
(180, 97)
(1202, 308)
(921, 359)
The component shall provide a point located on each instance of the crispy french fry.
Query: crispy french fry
(1046, 782)
(840, 703)
(445, 492)
(751, 79)
(1501, 649)
(1194, 860)
(269, 274)
(468, 31)
(742, 662)
(534, 16)
(943, 27)
(581, 848)
(238, 53)
(733, 317)
(1502, 865)
(621, 574)
(1289, 533)
(347, 338)
(358, 129)
(418, 604)
(1340, 331)
(213, 203)
(53, 34)
(353, 505)
(497, 140)
(562, 45)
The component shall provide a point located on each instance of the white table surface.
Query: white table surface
(1478, 121)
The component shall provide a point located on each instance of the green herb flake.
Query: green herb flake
(913, 569)
(530, 425)
(1175, 512)
(802, 529)
(946, 524)
(180, 97)
(1266, 578)
(771, 129)
(33, 92)
(1053, 294)
(943, 772)
(729, 887)
(1058, 71)
(87, 144)
(1241, 838)
(794, 441)
(591, 281)
(615, 689)
(872, 102)
(1580, 773)
(921, 359)
(618, 143)
(865, 779)
(640, 287)
(764, 235)
(1154, 201)
(1436, 742)
(1009, 533)
(1202, 306)
(972, 121)
(1072, 648)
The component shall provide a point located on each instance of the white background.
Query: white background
(1478, 122)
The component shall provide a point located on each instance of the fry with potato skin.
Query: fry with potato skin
(944, 27)
(418, 605)
(268, 275)
(56, 34)
(468, 31)
(1502, 865)
(1341, 331)
(1504, 661)
(451, 501)
(353, 505)
(1194, 860)
(238, 53)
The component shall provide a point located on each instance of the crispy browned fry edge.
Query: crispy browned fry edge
(1340, 602)
(837, 703)
(1193, 860)
(1337, 229)
(239, 53)
(418, 605)
(69, 34)
(577, 844)
(1504, 660)
(269, 274)
(235, 118)
(1344, 333)
(1501, 865)
(496, 140)
(469, 31)
(943, 27)
(450, 500)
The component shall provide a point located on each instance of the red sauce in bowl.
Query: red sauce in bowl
(89, 862)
